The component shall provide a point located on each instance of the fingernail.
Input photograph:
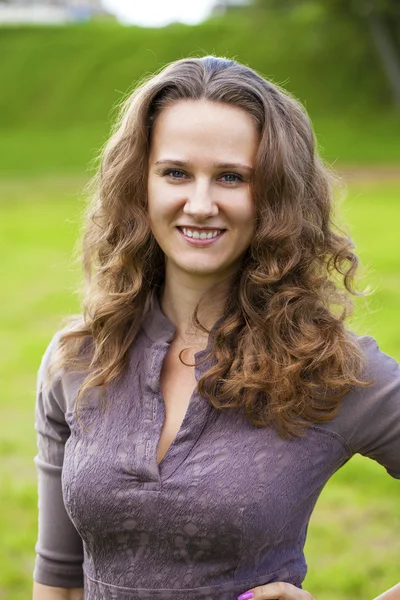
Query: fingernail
(246, 596)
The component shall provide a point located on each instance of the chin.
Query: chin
(202, 272)
(199, 269)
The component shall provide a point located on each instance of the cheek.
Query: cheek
(161, 203)
(155, 209)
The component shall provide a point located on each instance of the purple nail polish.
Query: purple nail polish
(246, 596)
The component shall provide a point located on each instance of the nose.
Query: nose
(199, 203)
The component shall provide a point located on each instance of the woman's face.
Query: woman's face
(200, 167)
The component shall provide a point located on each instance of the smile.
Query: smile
(198, 237)
(202, 235)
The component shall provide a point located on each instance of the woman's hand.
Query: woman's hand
(276, 591)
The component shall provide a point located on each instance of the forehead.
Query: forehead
(198, 127)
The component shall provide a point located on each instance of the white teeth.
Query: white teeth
(203, 235)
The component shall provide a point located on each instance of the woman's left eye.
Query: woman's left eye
(234, 177)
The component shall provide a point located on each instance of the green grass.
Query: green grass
(354, 543)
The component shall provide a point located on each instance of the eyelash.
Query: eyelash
(169, 171)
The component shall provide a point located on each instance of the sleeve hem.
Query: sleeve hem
(58, 575)
(395, 474)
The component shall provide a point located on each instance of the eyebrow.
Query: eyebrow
(183, 163)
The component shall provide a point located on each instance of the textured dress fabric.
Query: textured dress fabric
(228, 506)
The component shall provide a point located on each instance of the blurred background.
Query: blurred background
(65, 65)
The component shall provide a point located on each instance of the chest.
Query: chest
(162, 460)
(177, 383)
(208, 473)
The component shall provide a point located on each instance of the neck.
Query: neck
(178, 299)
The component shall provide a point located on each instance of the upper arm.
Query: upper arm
(369, 418)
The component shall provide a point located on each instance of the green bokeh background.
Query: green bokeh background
(59, 90)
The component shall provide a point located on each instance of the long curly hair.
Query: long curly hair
(282, 354)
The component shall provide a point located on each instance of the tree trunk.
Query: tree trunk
(387, 50)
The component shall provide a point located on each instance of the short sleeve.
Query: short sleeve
(59, 548)
(369, 418)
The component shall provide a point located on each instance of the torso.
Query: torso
(177, 384)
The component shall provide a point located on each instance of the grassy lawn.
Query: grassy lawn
(353, 546)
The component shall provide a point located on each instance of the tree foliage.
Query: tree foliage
(380, 19)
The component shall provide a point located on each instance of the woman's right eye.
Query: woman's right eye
(173, 173)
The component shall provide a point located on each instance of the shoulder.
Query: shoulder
(379, 368)
(369, 417)
(381, 399)
(384, 373)
(48, 358)
(54, 383)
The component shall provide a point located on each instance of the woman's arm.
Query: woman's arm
(392, 594)
(59, 548)
(46, 592)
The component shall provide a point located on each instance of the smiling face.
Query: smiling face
(200, 167)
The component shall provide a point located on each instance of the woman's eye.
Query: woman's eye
(178, 174)
(174, 173)
(232, 177)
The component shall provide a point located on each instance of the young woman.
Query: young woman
(189, 419)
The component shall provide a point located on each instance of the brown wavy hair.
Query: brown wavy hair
(282, 353)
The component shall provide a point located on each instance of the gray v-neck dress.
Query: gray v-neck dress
(227, 508)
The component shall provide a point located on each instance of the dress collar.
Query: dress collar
(157, 325)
